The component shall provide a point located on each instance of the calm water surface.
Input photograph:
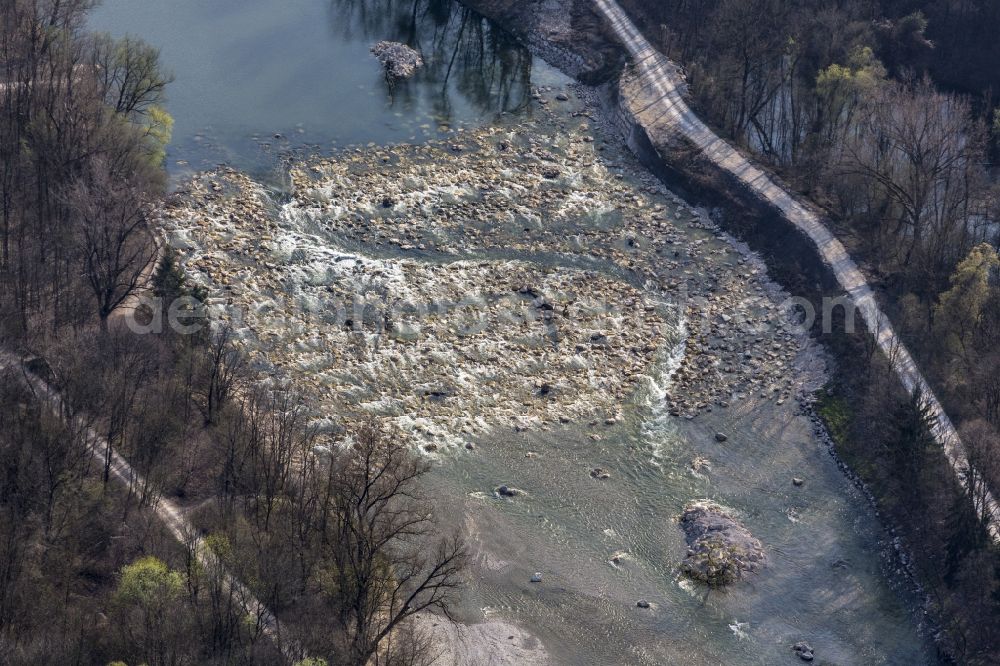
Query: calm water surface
(256, 79)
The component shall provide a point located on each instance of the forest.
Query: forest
(343, 550)
(885, 115)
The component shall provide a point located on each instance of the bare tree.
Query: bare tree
(748, 36)
(919, 157)
(115, 245)
(386, 570)
(225, 370)
(129, 75)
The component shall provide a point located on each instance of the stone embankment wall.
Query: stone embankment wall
(792, 258)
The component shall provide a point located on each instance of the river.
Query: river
(260, 83)
(260, 79)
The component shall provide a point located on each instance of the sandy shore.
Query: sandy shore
(490, 643)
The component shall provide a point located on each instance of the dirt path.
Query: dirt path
(662, 105)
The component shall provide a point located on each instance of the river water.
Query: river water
(259, 81)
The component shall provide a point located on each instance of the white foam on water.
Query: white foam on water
(740, 629)
(580, 205)
(689, 586)
(657, 430)
(289, 275)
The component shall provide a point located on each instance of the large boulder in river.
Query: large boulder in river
(720, 549)
(399, 60)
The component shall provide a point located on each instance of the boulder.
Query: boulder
(399, 60)
(804, 650)
(720, 549)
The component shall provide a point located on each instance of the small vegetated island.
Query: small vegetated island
(721, 550)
